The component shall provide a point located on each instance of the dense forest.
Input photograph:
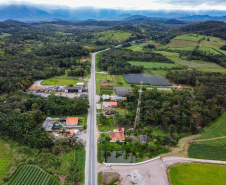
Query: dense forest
(115, 61)
(21, 115)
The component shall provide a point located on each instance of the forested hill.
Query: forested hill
(209, 28)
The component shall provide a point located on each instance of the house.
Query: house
(48, 124)
(117, 136)
(72, 121)
(143, 139)
(121, 129)
(84, 58)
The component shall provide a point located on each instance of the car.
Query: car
(76, 137)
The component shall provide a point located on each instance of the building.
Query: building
(110, 112)
(84, 58)
(72, 121)
(113, 104)
(105, 97)
(117, 136)
(143, 139)
(48, 124)
(123, 91)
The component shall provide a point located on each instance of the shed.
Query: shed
(143, 139)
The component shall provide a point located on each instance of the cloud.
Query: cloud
(133, 4)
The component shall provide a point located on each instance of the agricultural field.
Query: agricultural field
(112, 35)
(31, 174)
(194, 64)
(189, 37)
(195, 173)
(62, 80)
(6, 157)
(4, 35)
(211, 149)
(188, 45)
(151, 65)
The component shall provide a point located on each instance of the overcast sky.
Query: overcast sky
(133, 4)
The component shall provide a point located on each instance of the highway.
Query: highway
(91, 148)
(91, 154)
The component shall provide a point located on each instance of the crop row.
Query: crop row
(32, 175)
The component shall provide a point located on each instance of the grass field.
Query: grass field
(194, 64)
(181, 44)
(189, 37)
(31, 174)
(117, 35)
(5, 159)
(4, 35)
(62, 80)
(151, 65)
(212, 149)
(197, 174)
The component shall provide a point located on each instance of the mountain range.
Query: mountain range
(35, 13)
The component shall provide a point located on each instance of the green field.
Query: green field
(182, 44)
(197, 174)
(5, 159)
(151, 65)
(4, 35)
(189, 37)
(194, 64)
(212, 149)
(116, 35)
(62, 80)
(31, 174)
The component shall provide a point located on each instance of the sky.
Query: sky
(131, 4)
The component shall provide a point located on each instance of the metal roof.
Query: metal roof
(156, 80)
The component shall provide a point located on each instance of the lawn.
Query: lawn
(62, 80)
(189, 37)
(116, 35)
(212, 149)
(155, 72)
(5, 159)
(194, 174)
(151, 65)
(220, 70)
(104, 128)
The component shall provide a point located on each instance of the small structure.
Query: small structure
(123, 91)
(117, 136)
(105, 97)
(110, 112)
(113, 104)
(48, 124)
(143, 139)
(84, 58)
(72, 121)
(118, 98)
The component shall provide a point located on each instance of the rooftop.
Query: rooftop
(155, 80)
(117, 136)
(72, 121)
(113, 103)
(143, 139)
(48, 124)
(122, 91)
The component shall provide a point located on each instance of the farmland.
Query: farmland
(182, 43)
(5, 159)
(31, 174)
(212, 149)
(204, 174)
(61, 80)
(151, 65)
(189, 37)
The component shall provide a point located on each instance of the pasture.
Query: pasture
(31, 174)
(189, 37)
(61, 80)
(182, 44)
(151, 65)
(196, 173)
(211, 149)
(5, 159)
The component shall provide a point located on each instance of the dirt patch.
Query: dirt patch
(62, 178)
(7, 146)
(109, 177)
(105, 84)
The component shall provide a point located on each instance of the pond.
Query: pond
(120, 157)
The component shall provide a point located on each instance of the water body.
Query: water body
(120, 157)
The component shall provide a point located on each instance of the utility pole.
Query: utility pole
(138, 106)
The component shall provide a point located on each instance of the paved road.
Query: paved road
(91, 172)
